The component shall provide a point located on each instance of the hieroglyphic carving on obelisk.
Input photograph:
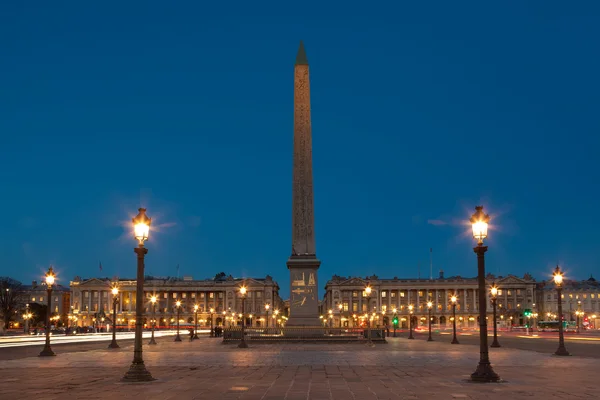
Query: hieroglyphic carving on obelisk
(303, 262)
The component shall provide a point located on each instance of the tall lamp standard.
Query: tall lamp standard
(276, 312)
(243, 344)
(395, 320)
(212, 333)
(153, 300)
(27, 317)
(267, 306)
(330, 312)
(494, 293)
(50, 277)
(453, 299)
(410, 317)
(178, 306)
(196, 307)
(113, 344)
(429, 306)
(368, 291)
(137, 371)
(484, 371)
(340, 307)
(578, 314)
(558, 280)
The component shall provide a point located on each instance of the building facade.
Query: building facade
(217, 299)
(581, 296)
(37, 293)
(515, 295)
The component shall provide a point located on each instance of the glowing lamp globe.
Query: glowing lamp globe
(558, 276)
(494, 291)
(50, 277)
(141, 226)
(368, 290)
(453, 299)
(479, 222)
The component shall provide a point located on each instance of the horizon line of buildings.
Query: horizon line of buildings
(88, 302)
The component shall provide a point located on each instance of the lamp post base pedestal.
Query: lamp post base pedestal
(177, 338)
(152, 341)
(243, 345)
(113, 345)
(47, 352)
(495, 343)
(562, 352)
(430, 339)
(137, 373)
(196, 336)
(454, 341)
(484, 373)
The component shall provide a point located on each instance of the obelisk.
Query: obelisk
(303, 263)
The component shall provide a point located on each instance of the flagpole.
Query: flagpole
(430, 263)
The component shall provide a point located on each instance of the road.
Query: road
(14, 347)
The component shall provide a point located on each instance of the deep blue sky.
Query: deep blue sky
(420, 112)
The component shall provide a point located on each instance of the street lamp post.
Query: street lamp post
(50, 277)
(178, 305)
(267, 306)
(558, 280)
(330, 312)
(137, 371)
(153, 300)
(484, 371)
(579, 314)
(113, 344)
(27, 317)
(212, 334)
(395, 320)
(454, 339)
(340, 307)
(196, 307)
(494, 293)
(368, 291)
(276, 312)
(429, 306)
(243, 344)
(410, 312)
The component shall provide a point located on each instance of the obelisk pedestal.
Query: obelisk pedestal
(303, 263)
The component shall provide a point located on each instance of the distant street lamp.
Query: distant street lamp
(178, 306)
(137, 371)
(267, 306)
(340, 307)
(212, 334)
(276, 313)
(196, 307)
(494, 293)
(558, 281)
(484, 371)
(27, 316)
(453, 299)
(50, 277)
(429, 306)
(579, 315)
(113, 344)
(153, 300)
(410, 318)
(368, 291)
(243, 344)
(395, 320)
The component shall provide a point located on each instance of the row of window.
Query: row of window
(577, 297)
(403, 293)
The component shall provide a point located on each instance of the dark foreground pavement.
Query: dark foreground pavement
(206, 369)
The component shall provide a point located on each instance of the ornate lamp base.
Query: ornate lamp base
(47, 352)
(484, 373)
(113, 345)
(137, 373)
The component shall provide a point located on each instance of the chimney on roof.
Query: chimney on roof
(441, 274)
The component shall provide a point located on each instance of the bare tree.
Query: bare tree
(11, 299)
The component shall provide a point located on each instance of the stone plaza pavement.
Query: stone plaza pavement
(206, 369)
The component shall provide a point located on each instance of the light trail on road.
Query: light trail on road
(19, 341)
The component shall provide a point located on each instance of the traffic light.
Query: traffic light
(527, 312)
(395, 320)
